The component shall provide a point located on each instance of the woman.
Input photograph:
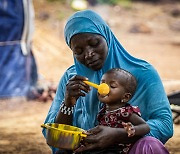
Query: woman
(96, 50)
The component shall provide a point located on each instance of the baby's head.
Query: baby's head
(122, 86)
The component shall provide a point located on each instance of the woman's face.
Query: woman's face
(89, 49)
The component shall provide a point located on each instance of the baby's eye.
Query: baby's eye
(113, 85)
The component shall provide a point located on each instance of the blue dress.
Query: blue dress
(150, 95)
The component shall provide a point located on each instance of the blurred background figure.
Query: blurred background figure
(82, 4)
(79, 4)
(18, 70)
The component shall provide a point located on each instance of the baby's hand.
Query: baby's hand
(129, 128)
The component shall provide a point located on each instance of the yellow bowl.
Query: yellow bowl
(63, 136)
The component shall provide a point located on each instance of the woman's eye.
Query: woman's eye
(94, 42)
(78, 51)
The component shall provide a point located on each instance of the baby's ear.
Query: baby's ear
(127, 97)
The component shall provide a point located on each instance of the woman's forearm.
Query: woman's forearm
(65, 114)
(64, 118)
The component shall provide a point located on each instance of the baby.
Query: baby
(117, 112)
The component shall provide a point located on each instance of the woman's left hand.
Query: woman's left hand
(100, 137)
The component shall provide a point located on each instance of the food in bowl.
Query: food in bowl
(63, 136)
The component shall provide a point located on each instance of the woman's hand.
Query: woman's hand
(75, 88)
(101, 137)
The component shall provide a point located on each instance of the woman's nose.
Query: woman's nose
(89, 53)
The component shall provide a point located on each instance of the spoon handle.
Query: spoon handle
(91, 84)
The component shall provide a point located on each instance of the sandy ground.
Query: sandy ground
(159, 44)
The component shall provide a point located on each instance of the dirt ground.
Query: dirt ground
(147, 31)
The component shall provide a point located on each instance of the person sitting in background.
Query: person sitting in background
(96, 50)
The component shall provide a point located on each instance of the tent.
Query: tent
(18, 71)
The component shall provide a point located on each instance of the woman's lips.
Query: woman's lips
(93, 63)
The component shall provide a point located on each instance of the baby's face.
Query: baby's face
(116, 83)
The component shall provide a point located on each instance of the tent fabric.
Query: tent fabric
(18, 71)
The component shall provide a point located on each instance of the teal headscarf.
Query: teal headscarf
(150, 95)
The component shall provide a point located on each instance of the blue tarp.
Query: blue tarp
(18, 71)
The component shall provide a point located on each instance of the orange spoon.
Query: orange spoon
(103, 88)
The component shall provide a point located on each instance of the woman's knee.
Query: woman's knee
(148, 145)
